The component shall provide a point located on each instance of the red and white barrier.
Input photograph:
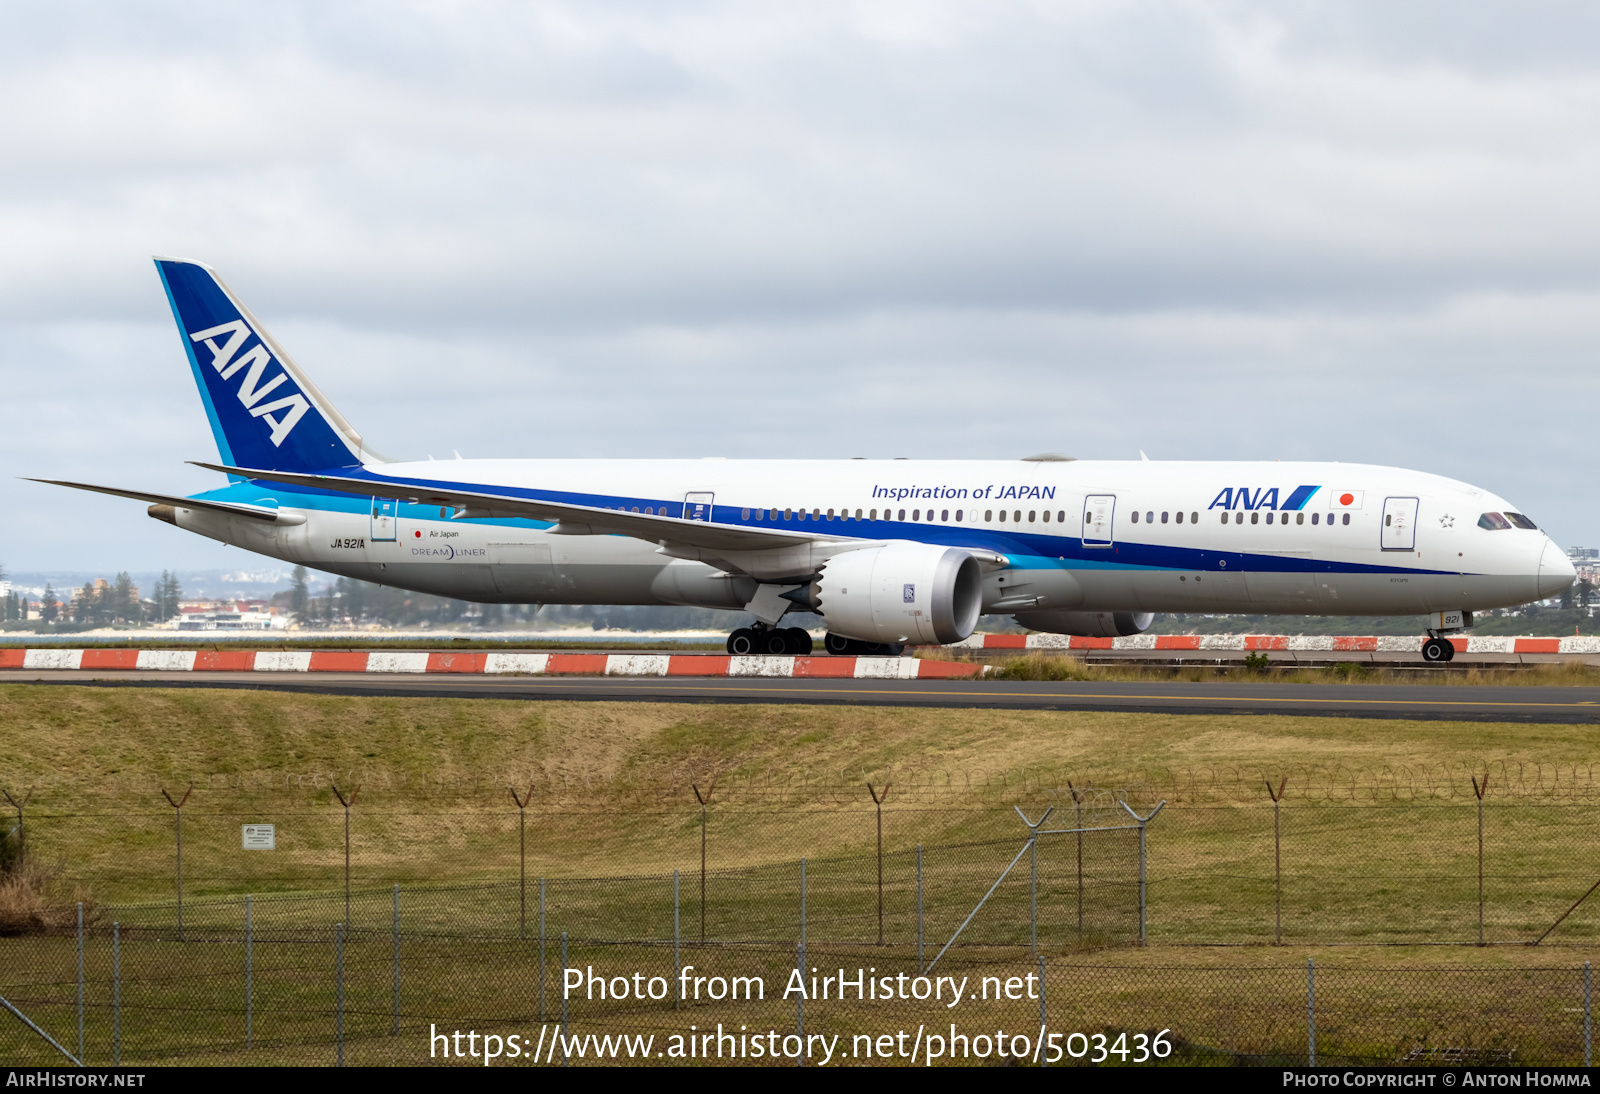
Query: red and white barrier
(703, 664)
(1309, 643)
(528, 664)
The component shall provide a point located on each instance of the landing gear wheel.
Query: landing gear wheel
(742, 642)
(799, 642)
(1437, 649)
(838, 644)
(1449, 649)
(774, 642)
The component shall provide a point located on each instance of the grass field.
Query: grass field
(1378, 842)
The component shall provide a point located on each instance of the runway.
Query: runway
(1567, 705)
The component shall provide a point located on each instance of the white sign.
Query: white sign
(259, 837)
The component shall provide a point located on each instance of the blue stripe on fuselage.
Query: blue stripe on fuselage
(1027, 550)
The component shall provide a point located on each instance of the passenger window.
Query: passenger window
(1299, 518)
(1180, 518)
(1046, 515)
(816, 514)
(1347, 518)
(1061, 515)
(1314, 517)
(958, 516)
(944, 514)
(902, 514)
(1031, 514)
(1388, 519)
(1163, 516)
(916, 514)
(1017, 516)
(1269, 518)
(1255, 518)
(1493, 522)
(830, 514)
(1238, 518)
(1224, 518)
(1521, 521)
(1002, 516)
(988, 515)
(1149, 517)
(1136, 516)
(744, 514)
(858, 514)
(874, 515)
(802, 514)
(1194, 518)
(760, 513)
(788, 514)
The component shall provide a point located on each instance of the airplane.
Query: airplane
(887, 552)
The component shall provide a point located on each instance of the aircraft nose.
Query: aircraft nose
(1556, 571)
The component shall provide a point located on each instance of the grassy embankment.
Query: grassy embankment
(611, 797)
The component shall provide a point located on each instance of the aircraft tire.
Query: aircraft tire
(775, 642)
(838, 644)
(742, 642)
(1437, 649)
(798, 641)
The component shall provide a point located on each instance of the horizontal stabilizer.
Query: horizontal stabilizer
(254, 512)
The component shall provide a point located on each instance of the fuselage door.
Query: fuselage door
(1399, 524)
(1098, 510)
(697, 506)
(383, 518)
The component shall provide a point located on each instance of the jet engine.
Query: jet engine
(900, 592)
(1087, 624)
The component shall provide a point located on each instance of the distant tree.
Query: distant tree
(300, 594)
(172, 593)
(84, 607)
(49, 608)
(124, 605)
(1583, 595)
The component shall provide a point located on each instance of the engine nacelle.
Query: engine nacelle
(1087, 624)
(901, 592)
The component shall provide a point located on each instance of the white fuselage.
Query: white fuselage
(1295, 538)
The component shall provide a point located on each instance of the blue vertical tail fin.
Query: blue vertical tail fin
(264, 411)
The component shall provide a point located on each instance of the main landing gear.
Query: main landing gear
(1438, 650)
(840, 645)
(761, 639)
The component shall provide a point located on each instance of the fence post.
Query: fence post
(249, 971)
(394, 1028)
(80, 981)
(1311, 1011)
(1044, 1013)
(919, 905)
(1586, 1014)
(1033, 869)
(116, 995)
(878, 802)
(1077, 807)
(541, 950)
(177, 807)
(704, 800)
(522, 850)
(800, 1003)
(1277, 860)
(347, 804)
(1144, 822)
(1480, 791)
(338, 947)
(563, 1026)
(677, 942)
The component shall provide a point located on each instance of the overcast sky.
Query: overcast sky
(1344, 231)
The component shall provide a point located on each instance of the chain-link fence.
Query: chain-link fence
(297, 993)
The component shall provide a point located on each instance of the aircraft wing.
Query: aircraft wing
(570, 518)
(254, 512)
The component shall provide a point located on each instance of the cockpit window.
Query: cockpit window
(1521, 521)
(1493, 522)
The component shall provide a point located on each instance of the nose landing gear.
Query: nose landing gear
(762, 639)
(1438, 650)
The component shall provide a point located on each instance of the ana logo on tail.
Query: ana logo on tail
(289, 409)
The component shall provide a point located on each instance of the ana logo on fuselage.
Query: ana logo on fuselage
(290, 408)
(1262, 497)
